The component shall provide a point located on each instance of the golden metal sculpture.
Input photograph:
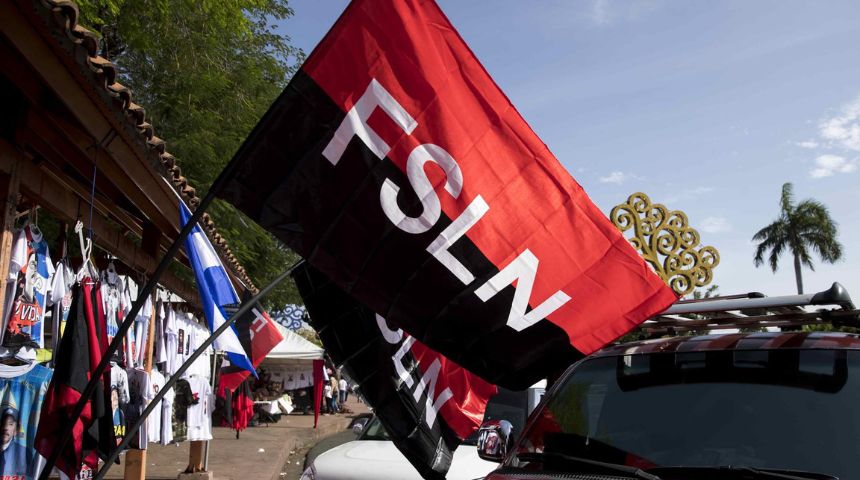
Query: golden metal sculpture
(658, 231)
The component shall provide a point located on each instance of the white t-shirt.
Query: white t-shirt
(160, 334)
(167, 417)
(200, 415)
(342, 384)
(327, 390)
(153, 421)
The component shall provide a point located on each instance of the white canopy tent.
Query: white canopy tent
(293, 349)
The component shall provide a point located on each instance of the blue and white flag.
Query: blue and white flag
(216, 290)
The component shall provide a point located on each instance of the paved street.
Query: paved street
(259, 452)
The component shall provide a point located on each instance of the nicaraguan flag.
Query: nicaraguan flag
(215, 290)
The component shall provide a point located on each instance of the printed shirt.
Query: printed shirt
(22, 391)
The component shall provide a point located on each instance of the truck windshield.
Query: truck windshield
(776, 409)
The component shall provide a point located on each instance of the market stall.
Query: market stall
(76, 151)
(288, 369)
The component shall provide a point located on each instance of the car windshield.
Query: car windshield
(374, 431)
(777, 409)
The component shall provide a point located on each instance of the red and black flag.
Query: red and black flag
(396, 166)
(427, 403)
(80, 350)
(258, 335)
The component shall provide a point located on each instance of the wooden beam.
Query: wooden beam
(63, 203)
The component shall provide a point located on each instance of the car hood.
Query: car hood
(380, 460)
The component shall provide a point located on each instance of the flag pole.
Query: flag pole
(156, 401)
(129, 320)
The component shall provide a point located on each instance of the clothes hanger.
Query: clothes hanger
(87, 267)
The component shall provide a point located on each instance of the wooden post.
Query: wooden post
(9, 183)
(135, 460)
(195, 457)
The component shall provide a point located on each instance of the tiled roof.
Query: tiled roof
(103, 73)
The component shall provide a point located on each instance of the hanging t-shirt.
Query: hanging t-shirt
(141, 325)
(156, 383)
(200, 414)
(26, 320)
(16, 263)
(167, 417)
(160, 333)
(171, 341)
(138, 387)
(22, 391)
(61, 300)
(119, 398)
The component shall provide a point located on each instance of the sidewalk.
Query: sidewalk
(258, 453)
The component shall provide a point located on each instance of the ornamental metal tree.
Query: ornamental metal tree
(800, 229)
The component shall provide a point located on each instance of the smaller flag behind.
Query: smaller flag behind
(215, 290)
(257, 334)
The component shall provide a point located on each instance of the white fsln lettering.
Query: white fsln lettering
(524, 270)
(428, 381)
(401, 370)
(458, 228)
(423, 188)
(259, 322)
(355, 123)
(390, 336)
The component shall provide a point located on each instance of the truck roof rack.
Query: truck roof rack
(756, 311)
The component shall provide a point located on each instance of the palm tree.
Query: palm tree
(800, 229)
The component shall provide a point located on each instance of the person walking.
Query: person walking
(344, 390)
(327, 395)
(333, 398)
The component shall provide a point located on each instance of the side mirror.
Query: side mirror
(495, 439)
(357, 428)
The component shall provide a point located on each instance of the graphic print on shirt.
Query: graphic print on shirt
(25, 324)
(22, 391)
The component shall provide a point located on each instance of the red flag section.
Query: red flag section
(395, 165)
(258, 335)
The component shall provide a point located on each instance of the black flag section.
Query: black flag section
(427, 403)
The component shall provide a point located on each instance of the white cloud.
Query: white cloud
(843, 129)
(715, 225)
(807, 144)
(827, 165)
(616, 177)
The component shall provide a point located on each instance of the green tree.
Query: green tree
(799, 230)
(206, 71)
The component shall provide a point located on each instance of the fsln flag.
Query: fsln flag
(427, 403)
(215, 289)
(395, 165)
(258, 335)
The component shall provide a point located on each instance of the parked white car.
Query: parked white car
(374, 456)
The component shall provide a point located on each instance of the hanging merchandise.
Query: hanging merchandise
(119, 398)
(183, 399)
(32, 265)
(81, 349)
(61, 300)
(110, 294)
(141, 327)
(22, 391)
(139, 389)
(167, 417)
(200, 413)
(153, 421)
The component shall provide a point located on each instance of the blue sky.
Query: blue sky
(708, 107)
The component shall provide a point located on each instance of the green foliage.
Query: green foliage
(800, 229)
(205, 71)
(310, 335)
